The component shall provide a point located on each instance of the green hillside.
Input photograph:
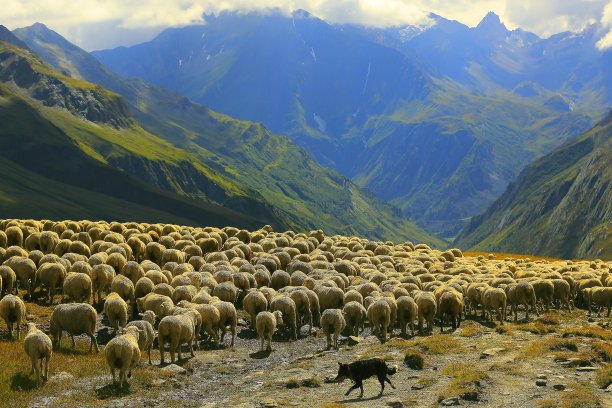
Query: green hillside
(560, 205)
(199, 154)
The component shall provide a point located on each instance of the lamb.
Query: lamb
(38, 347)
(8, 278)
(254, 302)
(379, 316)
(354, 315)
(287, 307)
(451, 303)
(147, 334)
(521, 294)
(407, 312)
(122, 353)
(175, 330)
(265, 323)
(332, 322)
(13, 312)
(78, 287)
(116, 311)
(426, 307)
(495, 299)
(75, 319)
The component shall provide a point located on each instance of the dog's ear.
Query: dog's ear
(340, 364)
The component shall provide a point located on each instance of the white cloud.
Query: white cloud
(606, 20)
(119, 21)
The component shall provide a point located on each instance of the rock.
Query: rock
(30, 317)
(395, 403)
(418, 386)
(354, 340)
(269, 403)
(450, 401)
(491, 352)
(242, 322)
(541, 377)
(470, 396)
(586, 368)
(541, 383)
(559, 387)
(609, 389)
(174, 369)
(61, 376)
(157, 382)
(590, 320)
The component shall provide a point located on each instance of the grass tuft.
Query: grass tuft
(414, 359)
(603, 376)
(465, 383)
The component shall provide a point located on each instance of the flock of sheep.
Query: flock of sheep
(185, 283)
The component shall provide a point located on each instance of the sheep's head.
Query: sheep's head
(279, 316)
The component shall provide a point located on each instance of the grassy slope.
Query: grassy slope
(46, 174)
(559, 206)
(305, 194)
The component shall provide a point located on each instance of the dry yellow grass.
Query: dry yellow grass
(502, 256)
(466, 380)
(579, 396)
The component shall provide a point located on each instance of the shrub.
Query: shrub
(414, 359)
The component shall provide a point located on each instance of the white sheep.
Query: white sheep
(8, 278)
(177, 329)
(147, 333)
(101, 277)
(265, 323)
(379, 316)
(227, 317)
(254, 302)
(122, 353)
(407, 312)
(13, 312)
(332, 322)
(38, 347)
(78, 287)
(75, 319)
(116, 310)
(50, 275)
(354, 315)
(287, 307)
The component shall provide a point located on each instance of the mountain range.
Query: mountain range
(167, 143)
(436, 120)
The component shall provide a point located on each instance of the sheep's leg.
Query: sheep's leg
(441, 323)
(412, 326)
(46, 368)
(191, 348)
(113, 374)
(73, 342)
(94, 343)
(269, 343)
(233, 336)
(34, 363)
(336, 340)
(161, 349)
(149, 352)
(176, 347)
(420, 324)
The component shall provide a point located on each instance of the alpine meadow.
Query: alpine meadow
(356, 203)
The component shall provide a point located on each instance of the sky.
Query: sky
(99, 24)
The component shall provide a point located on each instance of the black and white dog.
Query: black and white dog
(362, 369)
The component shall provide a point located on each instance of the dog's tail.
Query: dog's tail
(392, 370)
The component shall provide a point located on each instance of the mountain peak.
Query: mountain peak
(491, 23)
(300, 13)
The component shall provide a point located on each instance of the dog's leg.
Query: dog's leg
(354, 387)
(389, 381)
(361, 387)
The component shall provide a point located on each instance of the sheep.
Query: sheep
(116, 311)
(147, 334)
(427, 308)
(75, 319)
(544, 291)
(122, 353)
(253, 303)
(598, 296)
(302, 307)
(354, 315)
(13, 312)
(101, 277)
(161, 305)
(78, 287)
(227, 317)
(124, 287)
(37, 345)
(143, 287)
(332, 322)
(210, 318)
(14, 236)
(133, 271)
(562, 292)
(495, 299)
(7, 279)
(329, 297)
(379, 316)
(521, 294)
(175, 330)
(265, 324)
(280, 279)
(407, 313)
(451, 303)
(287, 307)
(226, 291)
(25, 271)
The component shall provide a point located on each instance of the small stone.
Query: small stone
(609, 388)
(559, 387)
(418, 386)
(470, 396)
(395, 403)
(242, 322)
(174, 369)
(30, 317)
(354, 340)
(491, 352)
(541, 383)
(542, 377)
(157, 382)
(61, 376)
(590, 320)
(269, 404)
(586, 368)
(450, 401)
